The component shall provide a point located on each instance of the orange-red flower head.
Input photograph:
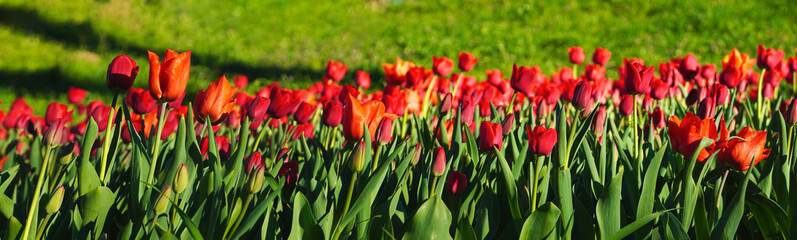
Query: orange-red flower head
(167, 79)
(216, 102)
(357, 114)
(685, 135)
(738, 152)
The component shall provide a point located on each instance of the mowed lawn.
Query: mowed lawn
(49, 45)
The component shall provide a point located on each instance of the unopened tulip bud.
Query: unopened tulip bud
(791, 113)
(121, 73)
(56, 133)
(445, 105)
(163, 203)
(627, 105)
(357, 160)
(466, 61)
(456, 183)
(582, 95)
(65, 159)
(55, 201)
(706, 109)
(333, 114)
(658, 119)
(385, 131)
(598, 122)
(257, 108)
(255, 182)
(181, 179)
(416, 156)
(439, 164)
(577, 55)
(508, 123)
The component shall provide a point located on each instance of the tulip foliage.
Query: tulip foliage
(675, 150)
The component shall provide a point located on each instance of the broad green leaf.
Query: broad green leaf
(541, 223)
(636, 225)
(729, 221)
(95, 206)
(431, 221)
(303, 225)
(511, 186)
(607, 211)
(646, 198)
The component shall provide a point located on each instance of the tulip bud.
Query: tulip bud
(55, 200)
(582, 95)
(508, 123)
(442, 66)
(332, 114)
(362, 79)
(445, 105)
(181, 179)
(121, 73)
(706, 109)
(688, 66)
(357, 159)
(164, 201)
(598, 122)
(490, 136)
(336, 70)
(257, 108)
(601, 56)
(255, 182)
(140, 101)
(385, 131)
(495, 77)
(695, 96)
(456, 183)
(791, 113)
(76, 95)
(541, 140)
(241, 81)
(466, 61)
(576, 55)
(304, 112)
(439, 165)
(55, 111)
(721, 94)
(416, 156)
(658, 119)
(56, 134)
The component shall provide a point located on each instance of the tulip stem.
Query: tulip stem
(35, 202)
(44, 223)
(106, 144)
(759, 98)
(376, 157)
(575, 71)
(722, 186)
(348, 195)
(256, 147)
(157, 145)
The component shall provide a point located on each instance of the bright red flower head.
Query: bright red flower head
(582, 96)
(685, 135)
(638, 77)
(140, 101)
(601, 56)
(241, 81)
(336, 70)
(396, 74)
(541, 140)
(356, 115)
(121, 73)
(524, 79)
(304, 112)
(257, 108)
(738, 152)
(439, 164)
(332, 114)
(495, 76)
(76, 95)
(167, 79)
(735, 68)
(490, 135)
(769, 58)
(442, 66)
(577, 55)
(56, 111)
(689, 66)
(362, 79)
(466, 61)
(283, 102)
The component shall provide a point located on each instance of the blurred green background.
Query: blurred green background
(49, 45)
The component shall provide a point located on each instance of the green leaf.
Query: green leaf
(541, 223)
(465, 230)
(303, 225)
(511, 186)
(690, 190)
(431, 221)
(636, 225)
(87, 176)
(646, 198)
(94, 208)
(729, 221)
(607, 211)
(256, 214)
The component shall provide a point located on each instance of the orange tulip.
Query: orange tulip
(735, 67)
(216, 102)
(167, 79)
(357, 114)
(685, 135)
(396, 74)
(738, 152)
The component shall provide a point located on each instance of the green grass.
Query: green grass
(51, 45)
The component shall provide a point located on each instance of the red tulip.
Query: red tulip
(234, 118)
(576, 55)
(595, 72)
(524, 79)
(100, 115)
(738, 152)
(289, 170)
(685, 135)
(442, 66)
(582, 96)
(254, 161)
(600, 119)
(121, 73)
(384, 134)
(688, 66)
(56, 111)
(541, 140)
(601, 56)
(56, 134)
(508, 124)
(332, 114)
(241, 81)
(283, 102)
(215, 103)
(304, 112)
(396, 74)
(457, 182)
(221, 142)
(439, 164)
(735, 68)
(256, 110)
(445, 106)
(76, 95)
(769, 58)
(302, 129)
(362, 79)
(638, 77)
(167, 79)
(657, 118)
(466, 61)
(140, 101)
(336, 70)
(490, 135)
(706, 109)
(495, 76)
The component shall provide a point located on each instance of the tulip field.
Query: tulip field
(683, 149)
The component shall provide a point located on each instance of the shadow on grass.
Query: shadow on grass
(83, 35)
